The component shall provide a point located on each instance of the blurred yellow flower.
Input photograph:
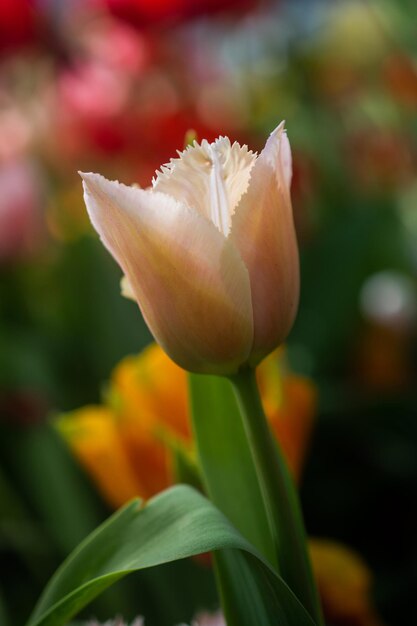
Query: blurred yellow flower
(94, 436)
(126, 445)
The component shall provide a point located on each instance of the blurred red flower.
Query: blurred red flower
(151, 12)
(18, 23)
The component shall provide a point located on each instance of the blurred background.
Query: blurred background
(113, 86)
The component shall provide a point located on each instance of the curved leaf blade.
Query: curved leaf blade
(176, 524)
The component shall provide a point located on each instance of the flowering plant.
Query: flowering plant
(210, 255)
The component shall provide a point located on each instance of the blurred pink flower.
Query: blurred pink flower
(117, 622)
(91, 89)
(116, 45)
(15, 133)
(19, 210)
(86, 104)
(202, 619)
(209, 619)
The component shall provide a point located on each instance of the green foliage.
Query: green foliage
(176, 524)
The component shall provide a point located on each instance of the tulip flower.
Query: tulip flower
(209, 252)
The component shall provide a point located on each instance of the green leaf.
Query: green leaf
(176, 524)
(251, 596)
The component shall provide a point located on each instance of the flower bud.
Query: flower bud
(209, 252)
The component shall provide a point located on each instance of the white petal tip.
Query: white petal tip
(279, 129)
(93, 183)
(90, 179)
(86, 175)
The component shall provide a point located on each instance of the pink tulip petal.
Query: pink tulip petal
(263, 231)
(189, 280)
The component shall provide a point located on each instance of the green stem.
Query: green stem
(279, 494)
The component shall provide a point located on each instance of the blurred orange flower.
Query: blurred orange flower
(127, 444)
(344, 581)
